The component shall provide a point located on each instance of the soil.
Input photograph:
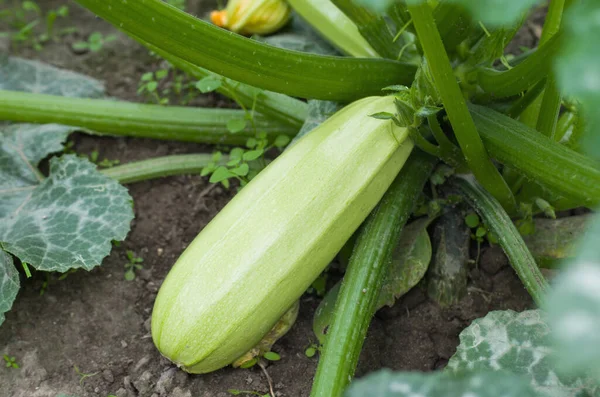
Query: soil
(88, 335)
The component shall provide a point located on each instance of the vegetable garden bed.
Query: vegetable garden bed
(88, 334)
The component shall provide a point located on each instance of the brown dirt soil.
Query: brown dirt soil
(97, 323)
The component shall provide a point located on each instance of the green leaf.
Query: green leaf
(220, 174)
(236, 125)
(409, 263)
(382, 115)
(281, 141)
(208, 84)
(385, 383)
(242, 170)
(447, 274)
(472, 220)
(574, 309)
(22, 147)
(18, 74)
(497, 12)
(556, 239)
(252, 154)
(65, 221)
(272, 356)
(519, 343)
(9, 283)
(577, 69)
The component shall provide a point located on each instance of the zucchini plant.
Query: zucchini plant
(423, 110)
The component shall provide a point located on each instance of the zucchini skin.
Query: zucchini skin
(264, 249)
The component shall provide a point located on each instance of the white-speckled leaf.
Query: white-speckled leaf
(9, 283)
(22, 147)
(519, 343)
(70, 218)
(574, 310)
(436, 384)
(18, 74)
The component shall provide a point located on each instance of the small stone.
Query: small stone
(123, 344)
(108, 376)
(121, 393)
(159, 251)
(144, 383)
(179, 392)
(141, 363)
(165, 382)
(147, 324)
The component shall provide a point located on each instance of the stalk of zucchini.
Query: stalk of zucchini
(264, 249)
(335, 26)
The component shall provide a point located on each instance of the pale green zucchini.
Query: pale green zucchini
(264, 249)
(334, 26)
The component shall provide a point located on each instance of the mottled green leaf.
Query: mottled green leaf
(556, 239)
(69, 219)
(22, 147)
(519, 343)
(18, 74)
(409, 263)
(386, 383)
(447, 274)
(577, 70)
(574, 309)
(9, 283)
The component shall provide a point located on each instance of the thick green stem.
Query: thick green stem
(159, 167)
(539, 158)
(537, 66)
(364, 277)
(277, 106)
(499, 223)
(549, 109)
(249, 61)
(374, 28)
(136, 120)
(454, 103)
(543, 112)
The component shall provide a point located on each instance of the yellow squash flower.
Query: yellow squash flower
(250, 17)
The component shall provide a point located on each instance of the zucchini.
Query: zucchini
(264, 249)
(334, 26)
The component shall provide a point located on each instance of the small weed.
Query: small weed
(26, 17)
(11, 362)
(311, 350)
(83, 376)
(105, 163)
(159, 85)
(236, 392)
(94, 43)
(479, 232)
(133, 265)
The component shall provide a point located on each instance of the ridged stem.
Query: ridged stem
(456, 108)
(249, 61)
(499, 223)
(134, 119)
(364, 277)
(159, 167)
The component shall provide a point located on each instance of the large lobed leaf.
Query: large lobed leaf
(18, 74)
(9, 283)
(403, 384)
(519, 343)
(577, 69)
(574, 310)
(69, 219)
